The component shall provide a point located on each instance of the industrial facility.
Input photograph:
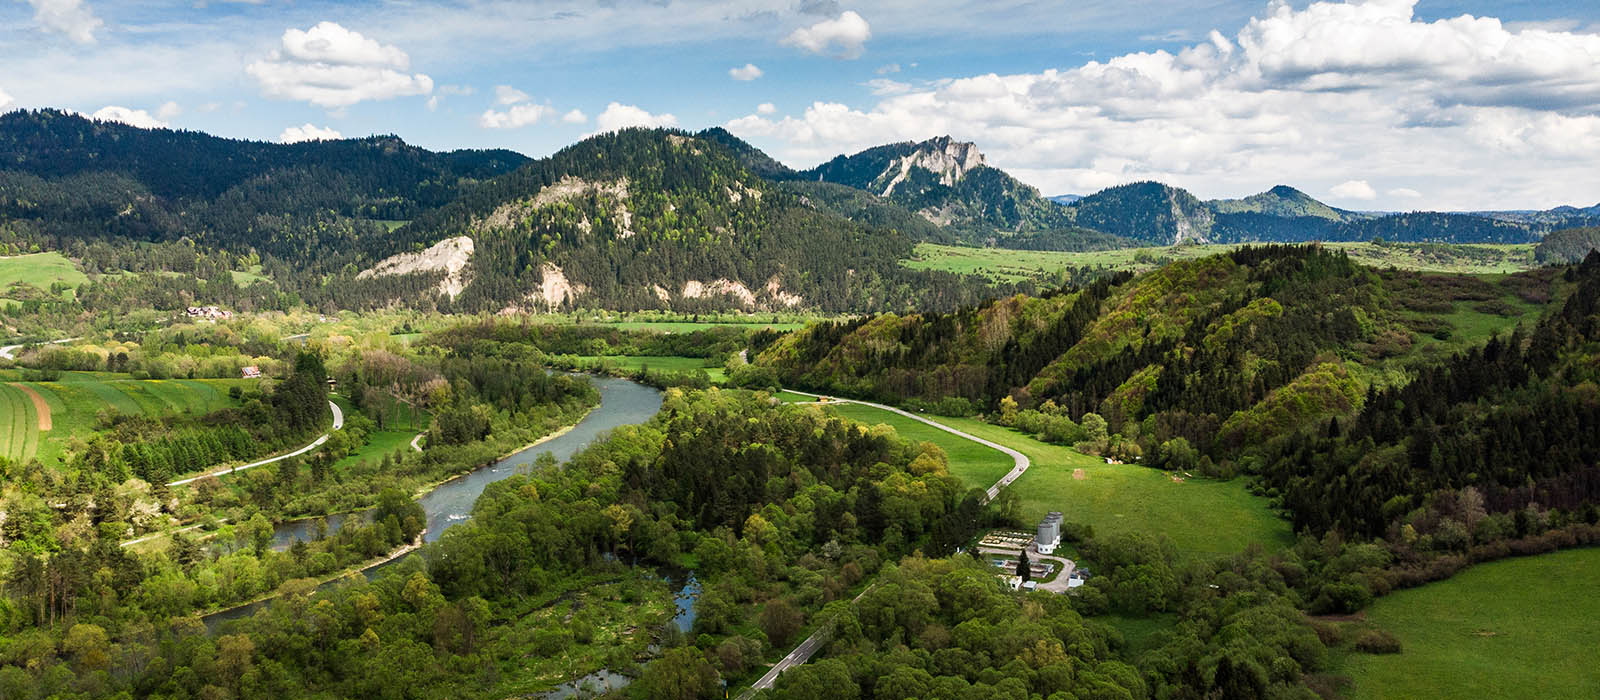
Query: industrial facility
(1049, 534)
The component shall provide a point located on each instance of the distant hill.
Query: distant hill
(641, 219)
(1282, 201)
(950, 184)
(68, 178)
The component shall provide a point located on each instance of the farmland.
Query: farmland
(78, 400)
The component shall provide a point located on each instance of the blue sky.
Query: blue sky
(1392, 104)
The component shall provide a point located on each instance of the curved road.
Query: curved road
(338, 422)
(9, 352)
(807, 648)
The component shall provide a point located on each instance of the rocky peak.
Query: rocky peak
(946, 157)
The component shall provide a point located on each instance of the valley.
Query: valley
(353, 418)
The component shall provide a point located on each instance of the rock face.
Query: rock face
(554, 287)
(946, 158)
(450, 255)
(567, 188)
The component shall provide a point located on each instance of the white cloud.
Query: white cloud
(885, 86)
(1354, 189)
(747, 72)
(1330, 93)
(433, 103)
(576, 116)
(69, 17)
(507, 95)
(766, 108)
(456, 90)
(843, 37)
(308, 132)
(5, 102)
(131, 117)
(888, 69)
(332, 67)
(517, 116)
(1405, 193)
(168, 110)
(621, 116)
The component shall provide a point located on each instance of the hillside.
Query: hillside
(316, 205)
(1217, 339)
(948, 183)
(642, 219)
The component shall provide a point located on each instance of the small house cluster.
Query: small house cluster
(209, 313)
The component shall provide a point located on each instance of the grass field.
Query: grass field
(40, 270)
(1005, 265)
(689, 326)
(78, 399)
(1204, 518)
(973, 463)
(632, 363)
(396, 436)
(1517, 628)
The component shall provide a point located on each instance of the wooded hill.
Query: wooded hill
(1288, 362)
(316, 205)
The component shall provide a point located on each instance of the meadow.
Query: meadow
(1004, 265)
(1515, 628)
(633, 363)
(1203, 518)
(39, 270)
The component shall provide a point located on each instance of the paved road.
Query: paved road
(10, 351)
(1020, 460)
(807, 648)
(416, 442)
(338, 422)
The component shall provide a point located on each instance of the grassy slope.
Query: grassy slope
(1518, 628)
(77, 400)
(40, 270)
(977, 465)
(19, 424)
(1203, 518)
(1016, 265)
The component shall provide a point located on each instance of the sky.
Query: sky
(1365, 104)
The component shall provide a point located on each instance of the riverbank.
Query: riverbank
(347, 572)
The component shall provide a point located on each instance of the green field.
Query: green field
(1005, 265)
(973, 463)
(40, 270)
(245, 278)
(77, 401)
(19, 425)
(632, 363)
(1204, 518)
(689, 326)
(396, 436)
(1517, 628)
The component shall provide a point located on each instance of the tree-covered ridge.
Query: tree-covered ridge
(65, 179)
(640, 219)
(1567, 245)
(947, 183)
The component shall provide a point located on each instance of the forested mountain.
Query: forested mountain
(948, 183)
(663, 219)
(65, 178)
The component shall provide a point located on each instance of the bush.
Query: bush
(1377, 642)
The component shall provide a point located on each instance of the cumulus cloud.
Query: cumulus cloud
(308, 132)
(1327, 94)
(747, 72)
(5, 102)
(332, 67)
(575, 116)
(1405, 193)
(842, 37)
(621, 116)
(766, 108)
(507, 95)
(168, 111)
(517, 116)
(132, 117)
(69, 17)
(1354, 189)
(885, 86)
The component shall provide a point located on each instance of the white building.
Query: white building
(1048, 536)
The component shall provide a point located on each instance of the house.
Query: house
(251, 372)
(209, 313)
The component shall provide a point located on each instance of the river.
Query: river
(622, 402)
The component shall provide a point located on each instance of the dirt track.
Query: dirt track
(39, 405)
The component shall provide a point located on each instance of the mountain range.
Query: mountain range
(634, 219)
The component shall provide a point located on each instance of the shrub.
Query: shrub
(1377, 641)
